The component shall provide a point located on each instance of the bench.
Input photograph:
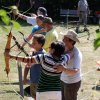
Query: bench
(65, 14)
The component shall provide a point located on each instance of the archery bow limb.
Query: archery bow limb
(7, 48)
(25, 40)
(19, 46)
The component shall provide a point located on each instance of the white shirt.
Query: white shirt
(74, 62)
(83, 5)
(31, 20)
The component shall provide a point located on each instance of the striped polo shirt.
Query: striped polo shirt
(49, 79)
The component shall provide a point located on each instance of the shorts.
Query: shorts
(50, 95)
(33, 89)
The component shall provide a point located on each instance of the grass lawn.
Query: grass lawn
(9, 88)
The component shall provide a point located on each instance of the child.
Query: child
(49, 86)
(31, 20)
(37, 29)
(37, 44)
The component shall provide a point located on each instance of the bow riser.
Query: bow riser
(7, 49)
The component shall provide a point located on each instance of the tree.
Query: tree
(7, 20)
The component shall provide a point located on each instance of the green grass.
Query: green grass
(90, 76)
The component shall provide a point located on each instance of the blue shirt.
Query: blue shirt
(36, 28)
(35, 69)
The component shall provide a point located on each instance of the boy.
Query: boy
(37, 44)
(39, 26)
(31, 20)
(49, 87)
(51, 34)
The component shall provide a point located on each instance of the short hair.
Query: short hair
(48, 20)
(59, 48)
(40, 17)
(40, 38)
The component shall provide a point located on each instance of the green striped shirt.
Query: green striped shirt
(49, 79)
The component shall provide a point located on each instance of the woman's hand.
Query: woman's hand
(59, 68)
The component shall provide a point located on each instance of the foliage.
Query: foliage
(7, 20)
(3, 12)
(15, 24)
(4, 29)
(97, 41)
(4, 17)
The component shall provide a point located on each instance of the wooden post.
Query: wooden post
(20, 79)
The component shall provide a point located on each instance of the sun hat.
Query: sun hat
(71, 34)
(48, 20)
(43, 10)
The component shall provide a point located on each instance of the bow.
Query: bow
(25, 40)
(19, 46)
(7, 48)
(8, 44)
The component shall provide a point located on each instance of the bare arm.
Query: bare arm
(28, 39)
(26, 70)
(40, 31)
(28, 60)
(61, 68)
(75, 67)
(31, 35)
(15, 12)
(22, 16)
